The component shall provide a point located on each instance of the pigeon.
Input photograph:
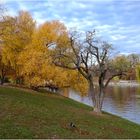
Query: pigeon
(72, 125)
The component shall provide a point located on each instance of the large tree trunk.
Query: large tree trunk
(99, 101)
(97, 105)
(99, 97)
(95, 98)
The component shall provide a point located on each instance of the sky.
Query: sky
(115, 21)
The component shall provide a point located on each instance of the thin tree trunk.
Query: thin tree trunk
(91, 91)
(102, 98)
(2, 80)
(2, 77)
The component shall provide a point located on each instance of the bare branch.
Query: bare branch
(64, 66)
(110, 78)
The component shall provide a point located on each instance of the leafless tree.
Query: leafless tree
(91, 58)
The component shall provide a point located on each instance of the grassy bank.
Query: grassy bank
(27, 114)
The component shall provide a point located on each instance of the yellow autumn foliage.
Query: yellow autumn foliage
(17, 35)
(27, 50)
(37, 66)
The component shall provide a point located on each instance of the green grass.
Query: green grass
(27, 114)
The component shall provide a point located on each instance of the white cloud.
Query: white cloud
(108, 17)
(124, 53)
(104, 27)
(118, 37)
(2, 2)
(81, 5)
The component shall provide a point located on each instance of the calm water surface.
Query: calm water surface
(121, 101)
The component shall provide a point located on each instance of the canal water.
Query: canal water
(121, 101)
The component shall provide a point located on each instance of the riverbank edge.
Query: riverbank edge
(117, 123)
(124, 83)
(31, 91)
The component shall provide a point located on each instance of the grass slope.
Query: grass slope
(27, 114)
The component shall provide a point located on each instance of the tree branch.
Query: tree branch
(109, 79)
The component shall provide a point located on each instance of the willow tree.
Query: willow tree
(16, 35)
(37, 68)
(91, 57)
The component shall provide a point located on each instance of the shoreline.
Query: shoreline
(54, 114)
(113, 84)
(125, 83)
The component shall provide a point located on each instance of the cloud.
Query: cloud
(2, 2)
(115, 21)
(118, 37)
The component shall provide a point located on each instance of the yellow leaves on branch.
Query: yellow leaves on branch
(17, 35)
(26, 48)
(36, 63)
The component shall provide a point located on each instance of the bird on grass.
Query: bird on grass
(72, 125)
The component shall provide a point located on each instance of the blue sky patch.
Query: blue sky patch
(117, 21)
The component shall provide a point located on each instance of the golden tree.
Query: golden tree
(35, 60)
(17, 34)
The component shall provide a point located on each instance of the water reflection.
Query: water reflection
(122, 101)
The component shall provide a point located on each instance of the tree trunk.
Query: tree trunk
(99, 102)
(95, 99)
(97, 105)
(99, 97)
(2, 80)
(91, 91)
(2, 77)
